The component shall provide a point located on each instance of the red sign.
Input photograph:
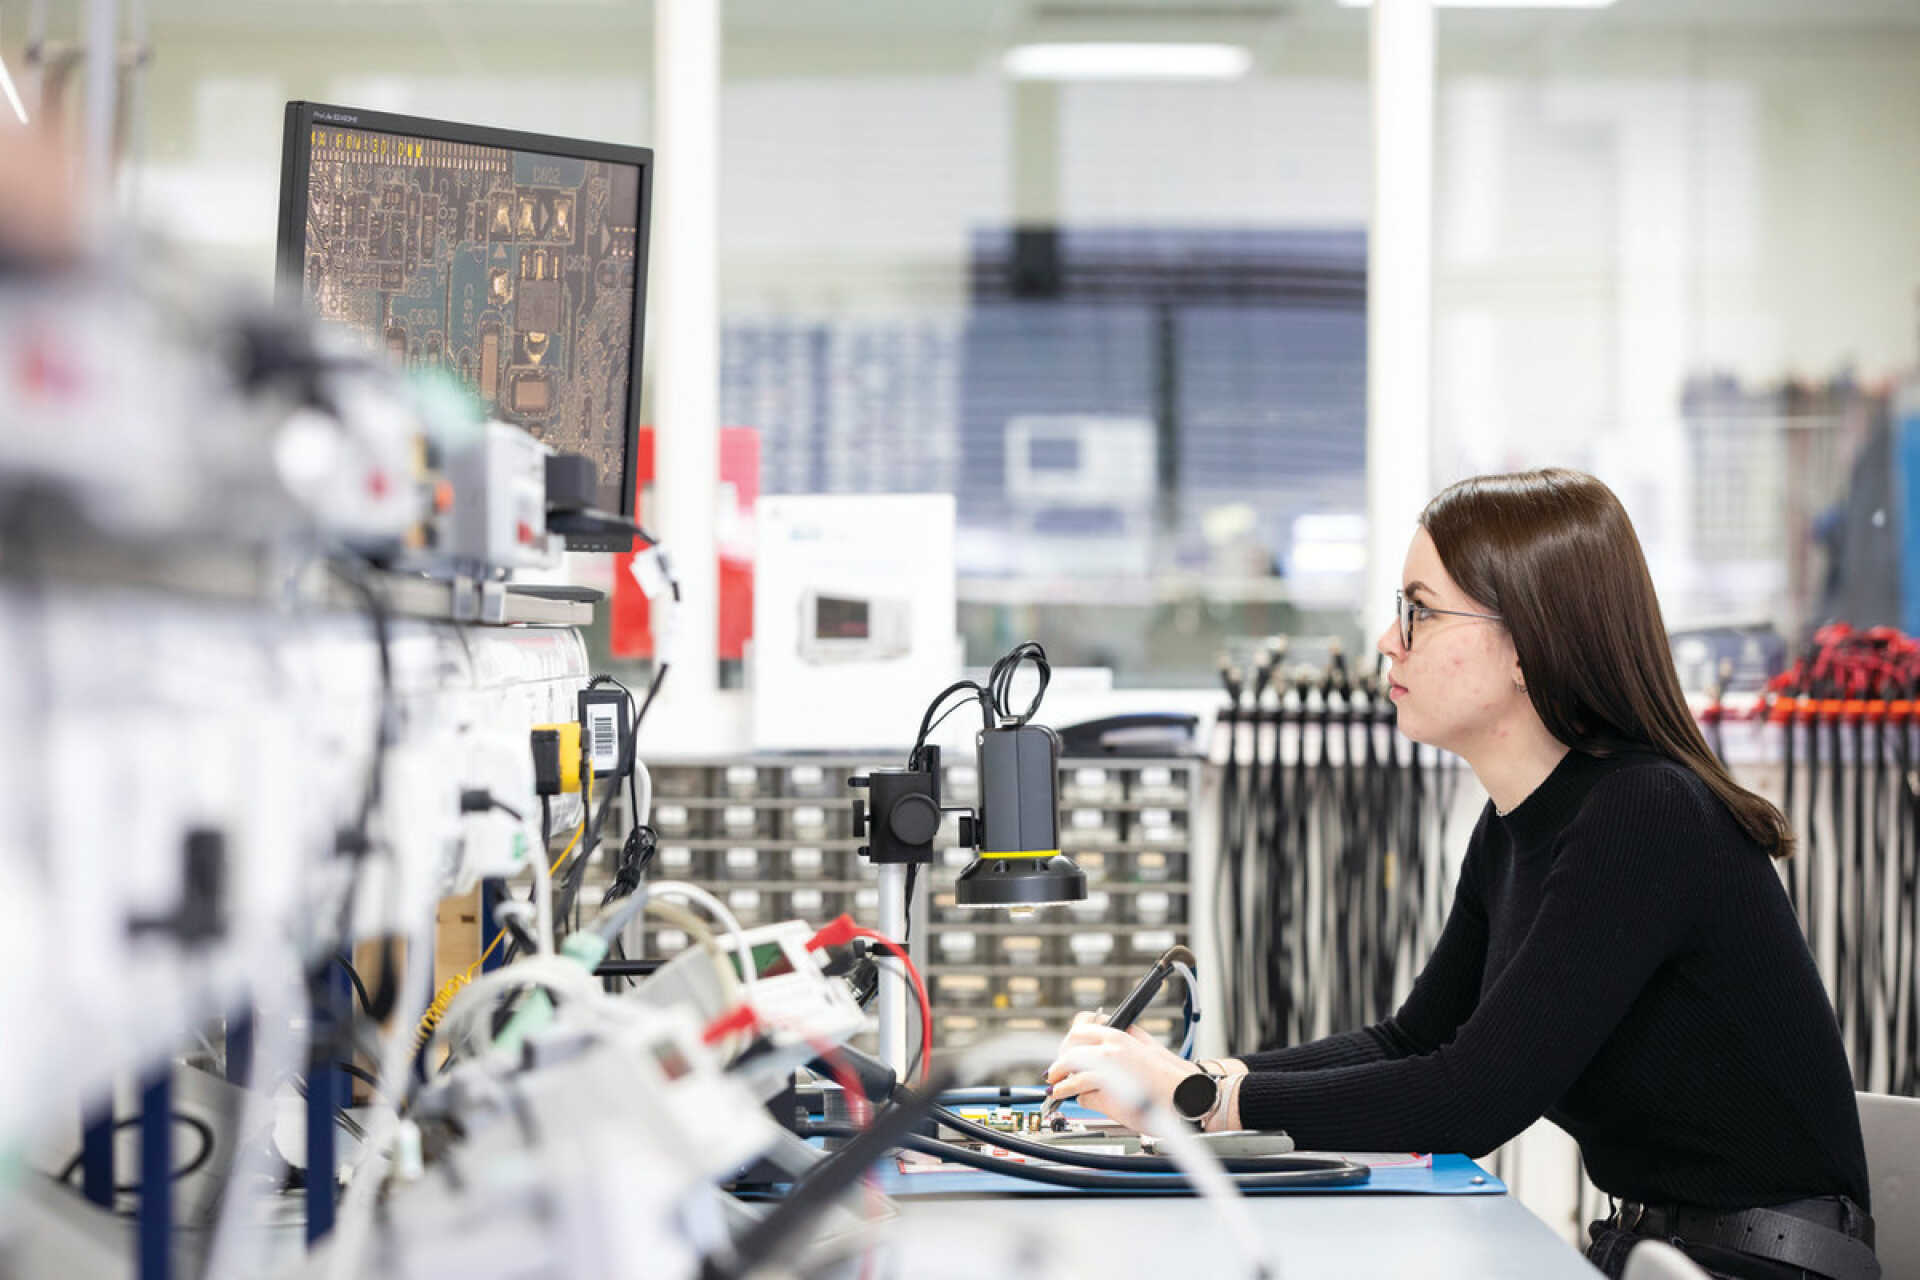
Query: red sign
(739, 489)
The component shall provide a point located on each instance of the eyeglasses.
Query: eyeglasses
(1411, 612)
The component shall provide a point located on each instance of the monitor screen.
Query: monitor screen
(836, 618)
(1054, 453)
(514, 262)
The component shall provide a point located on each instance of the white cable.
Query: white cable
(473, 1009)
(1200, 1166)
(560, 975)
(543, 903)
(718, 910)
(355, 1222)
(1209, 1178)
(644, 784)
(1193, 999)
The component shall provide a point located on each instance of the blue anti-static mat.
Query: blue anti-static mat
(1451, 1175)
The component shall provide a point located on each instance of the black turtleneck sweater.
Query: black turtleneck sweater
(1622, 959)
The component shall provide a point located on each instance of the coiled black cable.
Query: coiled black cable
(1131, 1164)
(1324, 1171)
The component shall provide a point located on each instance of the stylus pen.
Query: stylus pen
(1137, 1000)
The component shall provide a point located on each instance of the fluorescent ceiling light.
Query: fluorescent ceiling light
(1127, 62)
(1497, 4)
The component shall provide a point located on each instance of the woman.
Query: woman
(1620, 957)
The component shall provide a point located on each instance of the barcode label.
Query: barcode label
(603, 725)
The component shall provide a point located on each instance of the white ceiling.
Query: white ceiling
(987, 21)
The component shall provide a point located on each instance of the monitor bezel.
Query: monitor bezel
(291, 250)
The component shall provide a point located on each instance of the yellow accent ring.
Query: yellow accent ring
(1030, 853)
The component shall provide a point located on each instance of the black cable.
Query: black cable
(359, 987)
(1907, 911)
(1853, 899)
(201, 1130)
(1310, 1171)
(1227, 882)
(377, 616)
(935, 725)
(992, 1095)
(1873, 980)
(1256, 824)
(636, 857)
(1000, 682)
(919, 1040)
(1352, 921)
(927, 722)
(359, 1073)
(1127, 1164)
(906, 921)
(1789, 808)
(823, 1184)
(1905, 1073)
(653, 686)
(1812, 847)
(1837, 795)
(1272, 870)
(565, 893)
(518, 937)
(1377, 896)
(576, 872)
(1293, 900)
(359, 841)
(992, 697)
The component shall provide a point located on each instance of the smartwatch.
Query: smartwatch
(1197, 1097)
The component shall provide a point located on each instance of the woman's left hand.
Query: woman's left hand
(1116, 1072)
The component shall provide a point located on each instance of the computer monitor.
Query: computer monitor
(514, 261)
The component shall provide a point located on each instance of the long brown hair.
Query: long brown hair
(1554, 554)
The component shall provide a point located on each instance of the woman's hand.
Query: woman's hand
(1115, 1072)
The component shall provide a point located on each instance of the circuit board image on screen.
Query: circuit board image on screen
(511, 270)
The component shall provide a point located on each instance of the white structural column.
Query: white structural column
(684, 317)
(102, 75)
(893, 978)
(1399, 296)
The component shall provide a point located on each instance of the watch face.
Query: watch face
(1193, 1097)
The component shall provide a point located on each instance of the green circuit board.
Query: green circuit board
(511, 270)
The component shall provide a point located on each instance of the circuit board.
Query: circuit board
(511, 270)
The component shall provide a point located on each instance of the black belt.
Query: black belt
(1830, 1236)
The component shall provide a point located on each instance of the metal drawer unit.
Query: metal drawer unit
(773, 831)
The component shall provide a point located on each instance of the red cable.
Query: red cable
(743, 1018)
(738, 1019)
(919, 991)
